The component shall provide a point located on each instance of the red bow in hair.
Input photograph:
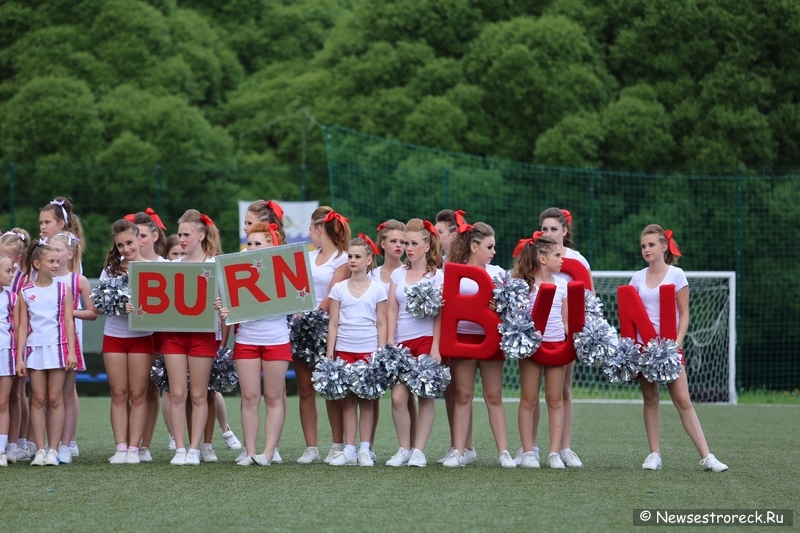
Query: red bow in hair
(463, 227)
(371, 243)
(129, 217)
(278, 210)
(206, 220)
(430, 227)
(381, 226)
(522, 242)
(673, 246)
(334, 215)
(155, 217)
(273, 233)
(567, 215)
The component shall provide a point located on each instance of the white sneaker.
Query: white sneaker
(276, 457)
(51, 459)
(31, 449)
(38, 458)
(470, 456)
(231, 441)
(249, 460)
(332, 452)
(209, 456)
(73, 449)
(652, 462)
(145, 456)
(506, 461)
(192, 458)
(342, 459)
(453, 460)
(11, 457)
(64, 456)
(364, 458)
(3, 459)
(180, 458)
(529, 460)
(417, 458)
(713, 464)
(570, 458)
(400, 458)
(554, 461)
(172, 445)
(311, 455)
(373, 456)
(241, 456)
(446, 455)
(119, 457)
(132, 457)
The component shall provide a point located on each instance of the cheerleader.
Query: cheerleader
(536, 261)
(191, 352)
(660, 252)
(9, 316)
(45, 345)
(357, 328)
(174, 250)
(424, 256)
(262, 349)
(57, 217)
(475, 245)
(447, 228)
(330, 233)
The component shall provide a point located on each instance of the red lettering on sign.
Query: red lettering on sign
(247, 282)
(180, 295)
(297, 277)
(153, 285)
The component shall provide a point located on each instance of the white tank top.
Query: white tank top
(47, 326)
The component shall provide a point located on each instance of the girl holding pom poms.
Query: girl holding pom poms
(661, 253)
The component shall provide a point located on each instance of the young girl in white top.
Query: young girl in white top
(357, 328)
(536, 261)
(45, 344)
(9, 316)
(57, 217)
(424, 256)
(330, 233)
(661, 253)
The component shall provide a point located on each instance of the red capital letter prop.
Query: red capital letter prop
(297, 277)
(180, 295)
(153, 285)
(247, 282)
(577, 271)
(563, 354)
(633, 316)
(472, 308)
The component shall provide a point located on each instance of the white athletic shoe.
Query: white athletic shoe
(311, 455)
(446, 455)
(11, 457)
(64, 455)
(470, 456)
(74, 450)
(518, 456)
(652, 462)
(132, 457)
(364, 458)
(241, 456)
(505, 460)
(209, 456)
(3, 459)
(400, 458)
(373, 456)
(119, 457)
(554, 461)
(343, 459)
(51, 459)
(453, 460)
(38, 458)
(180, 458)
(417, 458)
(276, 457)
(231, 441)
(145, 456)
(31, 449)
(171, 444)
(713, 464)
(332, 452)
(570, 458)
(192, 458)
(529, 460)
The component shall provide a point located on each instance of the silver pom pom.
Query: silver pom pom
(593, 304)
(331, 379)
(623, 365)
(660, 361)
(224, 376)
(596, 342)
(158, 374)
(423, 300)
(368, 380)
(308, 334)
(520, 338)
(394, 361)
(510, 294)
(111, 295)
(426, 378)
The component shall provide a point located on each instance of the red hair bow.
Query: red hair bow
(430, 227)
(522, 242)
(567, 215)
(278, 210)
(673, 246)
(371, 243)
(156, 218)
(273, 233)
(381, 226)
(334, 215)
(206, 220)
(463, 227)
(129, 217)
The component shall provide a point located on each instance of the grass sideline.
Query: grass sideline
(757, 442)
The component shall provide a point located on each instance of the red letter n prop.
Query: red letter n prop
(562, 354)
(180, 295)
(297, 277)
(153, 285)
(247, 281)
(471, 308)
(577, 271)
(633, 316)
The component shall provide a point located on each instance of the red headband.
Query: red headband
(381, 226)
(567, 215)
(273, 232)
(272, 204)
(207, 221)
(463, 227)
(371, 243)
(430, 227)
(673, 246)
(334, 215)
(522, 242)
(156, 218)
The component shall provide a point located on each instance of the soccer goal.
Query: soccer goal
(709, 346)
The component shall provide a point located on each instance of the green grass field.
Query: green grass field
(758, 442)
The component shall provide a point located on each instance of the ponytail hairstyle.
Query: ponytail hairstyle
(671, 254)
(526, 256)
(433, 259)
(447, 216)
(335, 226)
(461, 245)
(211, 242)
(153, 221)
(172, 241)
(564, 218)
(360, 241)
(269, 212)
(271, 230)
(71, 241)
(62, 210)
(113, 264)
(35, 251)
(384, 228)
(16, 239)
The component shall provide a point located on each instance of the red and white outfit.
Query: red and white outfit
(554, 333)
(572, 254)
(19, 281)
(651, 297)
(266, 339)
(191, 343)
(73, 281)
(414, 333)
(8, 345)
(470, 332)
(117, 338)
(357, 336)
(47, 347)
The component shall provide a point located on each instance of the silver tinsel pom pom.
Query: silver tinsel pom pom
(510, 294)
(623, 365)
(660, 361)
(394, 361)
(520, 338)
(158, 374)
(368, 380)
(308, 334)
(423, 300)
(596, 342)
(331, 379)
(593, 304)
(426, 378)
(111, 295)
(224, 376)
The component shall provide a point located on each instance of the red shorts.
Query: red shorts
(143, 345)
(190, 343)
(471, 338)
(555, 353)
(276, 352)
(158, 339)
(419, 346)
(352, 357)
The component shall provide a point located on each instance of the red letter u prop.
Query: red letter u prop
(577, 271)
(633, 316)
(562, 354)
